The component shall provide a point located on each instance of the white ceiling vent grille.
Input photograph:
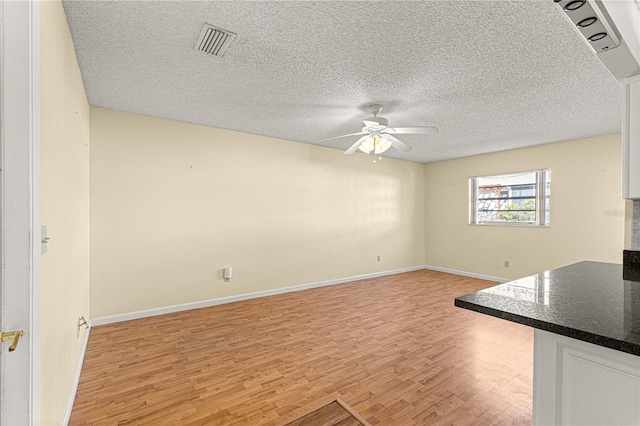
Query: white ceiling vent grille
(213, 40)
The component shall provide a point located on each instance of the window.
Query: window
(513, 199)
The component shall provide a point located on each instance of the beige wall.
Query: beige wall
(65, 211)
(174, 203)
(587, 212)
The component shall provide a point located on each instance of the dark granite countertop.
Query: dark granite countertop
(588, 301)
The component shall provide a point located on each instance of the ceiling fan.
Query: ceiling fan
(377, 136)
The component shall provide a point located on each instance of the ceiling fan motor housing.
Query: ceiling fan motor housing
(379, 122)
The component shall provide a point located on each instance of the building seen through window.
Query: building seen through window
(517, 198)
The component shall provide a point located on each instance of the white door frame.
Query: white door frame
(20, 216)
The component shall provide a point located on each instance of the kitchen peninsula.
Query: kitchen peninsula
(586, 320)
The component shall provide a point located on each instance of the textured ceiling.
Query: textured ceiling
(492, 75)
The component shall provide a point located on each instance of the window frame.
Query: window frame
(542, 199)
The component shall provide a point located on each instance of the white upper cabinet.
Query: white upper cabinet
(631, 141)
(623, 17)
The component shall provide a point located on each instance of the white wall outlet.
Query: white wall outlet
(227, 273)
(506, 263)
(378, 258)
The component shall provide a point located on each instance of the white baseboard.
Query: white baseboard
(76, 379)
(220, 301)
(467, 274)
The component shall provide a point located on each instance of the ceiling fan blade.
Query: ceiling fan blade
(355, 146)
(397, 143)
(343, 136)
(425, 130)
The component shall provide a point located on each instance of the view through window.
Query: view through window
(511, 199)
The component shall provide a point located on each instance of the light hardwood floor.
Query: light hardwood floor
(394, 348)
(335, 413)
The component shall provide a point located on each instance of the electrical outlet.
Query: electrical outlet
(506, 263)
(378, 258)
(226, 273)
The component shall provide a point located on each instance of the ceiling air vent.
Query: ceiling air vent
(213, 40)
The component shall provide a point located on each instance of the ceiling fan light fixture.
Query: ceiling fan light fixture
(375, 145)
(377, 137)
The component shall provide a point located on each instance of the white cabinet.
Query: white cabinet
(631, 141)
(578, 383)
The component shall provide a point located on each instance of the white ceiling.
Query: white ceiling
(492, 75)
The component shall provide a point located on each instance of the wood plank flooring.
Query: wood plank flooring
(393, 348)
(334, 413)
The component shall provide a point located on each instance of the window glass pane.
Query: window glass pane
(511, 198)
(508, 198)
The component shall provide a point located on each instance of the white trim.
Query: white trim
(20, 132)
(247, 296)
(36, 243)
(631, 141)
(76, 380)
(466, 274)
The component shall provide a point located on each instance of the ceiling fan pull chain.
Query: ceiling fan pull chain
(375, 147)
